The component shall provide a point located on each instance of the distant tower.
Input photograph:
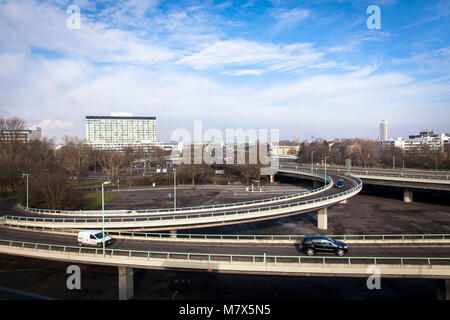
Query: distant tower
(384, 130)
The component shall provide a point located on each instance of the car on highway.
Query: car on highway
(340, 183)
(318, 243)
(93, 238)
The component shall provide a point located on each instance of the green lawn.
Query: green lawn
(92, 200)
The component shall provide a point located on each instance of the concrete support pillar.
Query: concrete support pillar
(443, 289)
(322, 219)
(407, 196)
(272, 178)
(125, 283)
(173, 233)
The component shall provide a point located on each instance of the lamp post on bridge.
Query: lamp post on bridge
(326, 169)
(175, 188)
(103, 214)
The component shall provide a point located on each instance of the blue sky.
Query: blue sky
(307, 68)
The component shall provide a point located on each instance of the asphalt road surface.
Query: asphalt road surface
(355, 250)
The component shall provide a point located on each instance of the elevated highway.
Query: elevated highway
(427, 261)
(316, 177)
(199, 217)
(408, 179)
(47, 237)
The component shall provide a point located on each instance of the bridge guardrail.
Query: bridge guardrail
(367, 167)
(188, 215)
(212, 206)
(232, 258)
(254, 237)
(401, 175)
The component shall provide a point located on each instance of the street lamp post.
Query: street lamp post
(175, 188)
(26, 175)
(326, 169)
(103, 214)
(312, 164)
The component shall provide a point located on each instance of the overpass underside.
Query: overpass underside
(408, 192)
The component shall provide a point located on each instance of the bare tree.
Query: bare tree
(11, 137)
(130, 155)
(110, 161)
(73, 156)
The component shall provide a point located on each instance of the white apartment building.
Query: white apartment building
(120, 129)
(425, 140)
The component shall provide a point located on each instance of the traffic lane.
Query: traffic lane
(243, 249)
(349, 184)
(354, 251)
(377, 170)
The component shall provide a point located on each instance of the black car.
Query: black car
(340, 183)
(312, 244)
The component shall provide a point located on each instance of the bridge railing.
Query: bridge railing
(401, 175)
(190, 215)
(251, 237)
(372, 168)
(204, 207)
(231, 258)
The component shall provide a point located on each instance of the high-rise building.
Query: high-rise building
(120, 128)
(384, 130)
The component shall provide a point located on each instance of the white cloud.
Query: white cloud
(349, 103)
(438, 57)
(289, 18)
(25, 24)
(49, 124)
(258, 57)
(152, 75)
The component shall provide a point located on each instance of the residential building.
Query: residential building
(120, 129)
(23, 135)
(426, 140)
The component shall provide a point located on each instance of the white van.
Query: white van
(93, 238)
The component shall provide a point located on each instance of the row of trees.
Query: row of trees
(368, 153)
(54, 171)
